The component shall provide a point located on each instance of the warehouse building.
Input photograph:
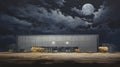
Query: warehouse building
(58, 43)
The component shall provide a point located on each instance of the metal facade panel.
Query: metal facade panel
(87, 43)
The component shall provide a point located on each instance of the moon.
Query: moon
(88, 9)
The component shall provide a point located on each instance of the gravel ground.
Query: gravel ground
(59, 58)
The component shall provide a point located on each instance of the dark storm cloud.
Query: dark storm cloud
(78, 11)
(6, 19)
(104, 14)
(12, 24)
(56, 16)
(60, 2)
(108, 13)
(40, 16)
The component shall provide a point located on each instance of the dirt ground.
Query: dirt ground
(111, 59)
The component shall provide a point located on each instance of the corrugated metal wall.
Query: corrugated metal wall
(87, 43)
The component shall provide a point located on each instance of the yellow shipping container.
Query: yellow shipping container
(103, 49)
(37, 49)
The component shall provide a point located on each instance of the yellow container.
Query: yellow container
(103, 49)
(37, 49)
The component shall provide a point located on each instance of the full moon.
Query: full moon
(88, 9)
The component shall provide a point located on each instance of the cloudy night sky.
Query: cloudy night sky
(44, 17)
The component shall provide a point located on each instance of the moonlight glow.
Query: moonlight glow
(88, 9)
